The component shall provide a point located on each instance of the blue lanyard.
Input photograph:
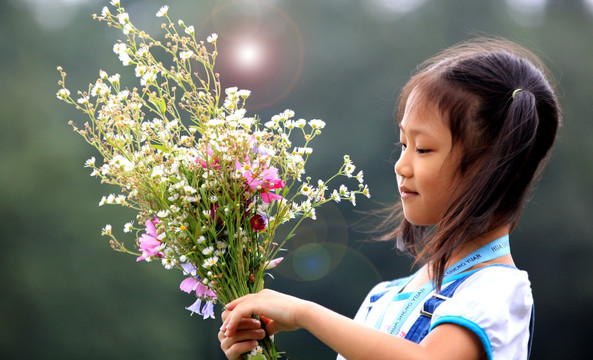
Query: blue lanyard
(496, 248)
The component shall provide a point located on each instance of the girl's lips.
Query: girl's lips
(405, 192)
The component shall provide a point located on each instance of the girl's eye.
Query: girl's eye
(422, 151)
(401, 145)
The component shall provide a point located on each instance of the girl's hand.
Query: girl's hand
(281, 312)
(244, 340)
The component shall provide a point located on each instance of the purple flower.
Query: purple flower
(189, 269)
(208, 310)
(195, 307)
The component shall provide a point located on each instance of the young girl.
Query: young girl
(477, 123)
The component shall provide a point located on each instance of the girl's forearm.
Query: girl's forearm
(354, 340)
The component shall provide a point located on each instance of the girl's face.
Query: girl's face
(427, 169)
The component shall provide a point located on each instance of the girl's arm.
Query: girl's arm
(349, 338)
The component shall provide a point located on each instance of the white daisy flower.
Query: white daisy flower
(105, 11)
(317, 124)
(306, 190)
(349, 169)
(190, 30)
(244, 93)
(63, 94)
(359, 177)
(335, 196)
(212, 38)
(107, 229)
(270, 124)
(301, 123)
(168, 263)
(123, 18)
(352, 199)
(120, 48)
(163, 214)
(210, 262)
(365, 191)
(114, 79)
(162, 11)
(290, 124)
(127, 29)
(90, 162)
(125, 59)
(185, 54)
(128, 227)
(142, 51)
(114, 2)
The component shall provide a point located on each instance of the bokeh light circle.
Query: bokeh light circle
(260, 49)
(317, 248)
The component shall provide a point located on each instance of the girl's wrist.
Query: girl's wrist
(302, 314)
(308, 313)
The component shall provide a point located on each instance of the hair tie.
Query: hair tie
(515, 92)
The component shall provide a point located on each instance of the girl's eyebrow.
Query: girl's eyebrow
(413, 131)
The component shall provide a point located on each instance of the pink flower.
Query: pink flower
(149, 244)
(189, 284)
(193, 284)
(263, 182)
(214, 162)
(273, 263)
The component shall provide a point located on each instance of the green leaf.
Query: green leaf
(159, 147)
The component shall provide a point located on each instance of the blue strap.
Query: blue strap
(490, 251)
(420, 328)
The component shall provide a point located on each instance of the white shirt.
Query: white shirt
(495, 303)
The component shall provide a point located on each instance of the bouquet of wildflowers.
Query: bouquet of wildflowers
(210, 184)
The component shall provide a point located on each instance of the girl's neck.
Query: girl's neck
(482, 240)
(423, 276)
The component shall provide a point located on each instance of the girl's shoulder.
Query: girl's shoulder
(494, 288)
(496, 303)
(501, 279)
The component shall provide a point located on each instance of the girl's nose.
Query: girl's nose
(402, 167)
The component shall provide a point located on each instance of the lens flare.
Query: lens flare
(249, 54)
(261, 49)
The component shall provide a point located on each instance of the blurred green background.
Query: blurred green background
(66, 294)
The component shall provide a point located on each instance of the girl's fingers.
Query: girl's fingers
(243, 335)
(242, 341)
(246, 324)
(236, 350)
